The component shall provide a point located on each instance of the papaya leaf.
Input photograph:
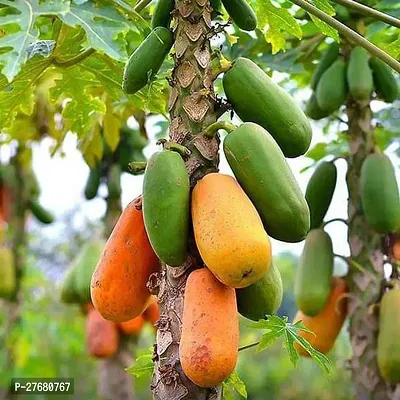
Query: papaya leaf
(325, 6)
(325, 28)
(233, 384)
(111, 125)
(393, 48)
(92, 146)
(15, 44)
(143, 366)
(318, 152)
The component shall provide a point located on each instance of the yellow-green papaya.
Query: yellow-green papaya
(7, 272)
(93, 182)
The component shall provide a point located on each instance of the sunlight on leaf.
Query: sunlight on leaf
(143, 366)
(233, 384)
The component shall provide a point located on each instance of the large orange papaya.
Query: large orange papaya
(210, 330)
(102, 336)
(132, 327)
(327, 324)
(118, 286)
(229, 232)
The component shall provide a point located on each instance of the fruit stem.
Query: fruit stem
(249, 346)
(216, 126)
(351, 262)
(137, 167)
(335, 220)
(224, 66)
(178, 148)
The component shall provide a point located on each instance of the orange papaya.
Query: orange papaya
(133, 326)
(208, 348)
(229, 232)
(118, 286)
(396, 250)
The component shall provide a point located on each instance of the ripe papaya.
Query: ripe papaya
(102, 337)
(208, 348)
(380, 194)
(93, 182)
(69, 293)
(388, 338)
(314, 111)
(264, 174)
(327, 324)
(114, 181)
(263, 297)
(162, 14)
(5, 203)
(147, 59)
(359, 75)
(319, 192)
(332, 87)
(241, 13)
(152, 314)
(314, 273)
(228, 231)
(328, 57)
(255, 97)
(133, 326)
(118, 286)
(385, 82)
(166, 192)
(41, 214)
(7, 272)
(396, 250)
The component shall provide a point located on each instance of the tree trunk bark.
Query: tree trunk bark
(192, 107)
(366, 250)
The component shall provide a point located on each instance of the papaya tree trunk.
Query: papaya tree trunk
(192, 108)
(365, 281)
(114, 383)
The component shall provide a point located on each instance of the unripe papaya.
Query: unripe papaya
(388, 338)
(314, 273)
(359, 75)
(118, 286)
(102, 336)
(342, 13)
(152, 314)
(328, 57)
(7, 272)
(241, 13)
(255, 97)
(132, 327)
(162, 14)
(332, 87)
(263, 297)
(261, 169)
(314, 111)
(41, 214)
(209, 344)
(228, 231)
(166, 192)
(327, 324)
(69, 294)
(385, 82)
(147, 59)
(380, 194)
(216, 6)
(93, 183)
(319, 192)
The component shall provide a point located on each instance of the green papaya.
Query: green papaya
(319, 192)
(388, 349)
(241, 13)
(256, 98)
(314, 111)
(216, 6)
(263, 172)
(380, 194)
(147, 59)
(41, 214)
(166, 192)
(332, 87)
(359, 75)
(328, 57)
(162, 14)
(314, 273)
(7, 273)
(93, 182)
(69, 294)
(114, 181)
(263, 297)
(342, 13)
(385, 82)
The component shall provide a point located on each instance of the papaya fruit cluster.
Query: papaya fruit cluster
(360, 76)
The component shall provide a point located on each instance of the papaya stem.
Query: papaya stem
(349, 33)
(370, 12)
(224, 66)
(74, 60)
(249, 346)
(335, 220)
(178, 148)
(350, 262)
(212, 129)
(137, 167)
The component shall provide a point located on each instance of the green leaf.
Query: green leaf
(326, 29)
(317, 152)
(325, 6)
(16, 44)
(233, 384)
(143, 366)
(393, 48)
(276, 38)
(92, 146)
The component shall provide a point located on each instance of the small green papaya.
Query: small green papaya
(342, 13)
(314, 111)
(93, 182)
(114, 181)
(388, 349)
(162, 14)
(147, 59)
(69, 293)
(319, 192)
(263, 297)
(359, 75)
(241, 13)
(314, 273)
(332, 87)
(380, 194)
(386, 86)
(41, 214)
(166, 192)
(7, 272)
(328, 57)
